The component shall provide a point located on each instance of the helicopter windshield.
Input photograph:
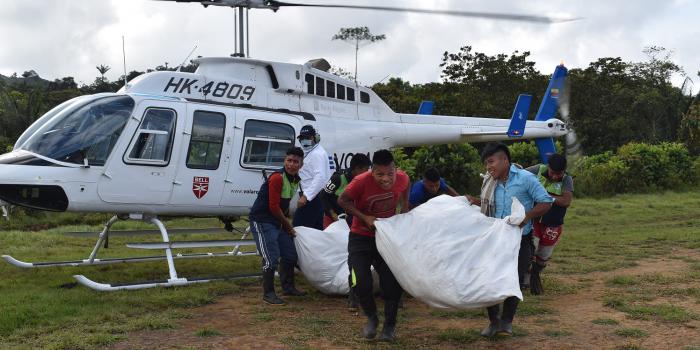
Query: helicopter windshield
(46, 117)
(88, 133)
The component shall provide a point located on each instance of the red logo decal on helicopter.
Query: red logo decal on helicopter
(200, 186)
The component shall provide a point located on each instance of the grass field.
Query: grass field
(625, 275)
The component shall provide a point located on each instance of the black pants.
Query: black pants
(362, 253)
(310, 215)
(510, 305)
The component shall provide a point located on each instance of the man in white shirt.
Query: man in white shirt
(317, 169)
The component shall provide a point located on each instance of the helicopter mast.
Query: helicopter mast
(241, 35)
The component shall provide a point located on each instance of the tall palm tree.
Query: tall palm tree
(103, 69)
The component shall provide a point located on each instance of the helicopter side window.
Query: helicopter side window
(265, 144)
(154, 139)
(320, 86)
(207, 140)
(309, 83)
(351, 94)
(330, 89)
(364, 97)
(340, 92)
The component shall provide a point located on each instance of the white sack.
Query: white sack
(323, 257)
(449, 255)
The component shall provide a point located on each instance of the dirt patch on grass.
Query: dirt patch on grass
(575, 317)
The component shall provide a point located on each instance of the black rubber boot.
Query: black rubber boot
(491, 329)
(388, 332)
(269, 295)
(505, 329)
(353, 303)
(494, 321)
(370, 329)
(287, 279)
(535, 279)
(391, 309)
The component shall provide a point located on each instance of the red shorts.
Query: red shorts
(548, 235)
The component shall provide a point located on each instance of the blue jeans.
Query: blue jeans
(273, 243)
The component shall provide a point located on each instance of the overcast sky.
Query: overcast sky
(61, 38)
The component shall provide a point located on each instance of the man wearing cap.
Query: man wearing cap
(317, 169)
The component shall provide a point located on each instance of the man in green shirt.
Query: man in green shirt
(548, 228)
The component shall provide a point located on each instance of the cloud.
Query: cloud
(70, 37)
(54, 38)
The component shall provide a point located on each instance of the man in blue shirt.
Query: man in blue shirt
(431, 186)
(503, 182)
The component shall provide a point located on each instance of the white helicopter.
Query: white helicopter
(196, 144)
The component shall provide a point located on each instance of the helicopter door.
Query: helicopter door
(262, 139)
(144, 172)
(204, 157)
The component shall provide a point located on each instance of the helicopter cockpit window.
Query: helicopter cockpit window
(154, 139)
(309, 83)
(351, 94)
(45, 118)
(330, 89)
(207, 140)
(364, 97)
(86, 134)
(320, 86)
(340, 92)
(265, 144)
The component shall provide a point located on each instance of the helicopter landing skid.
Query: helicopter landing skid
(85, 262)
(166, 244)
(104, 287)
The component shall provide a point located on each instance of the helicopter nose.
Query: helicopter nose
(42, 197)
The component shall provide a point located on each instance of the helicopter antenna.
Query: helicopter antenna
(124, 57)
(188, 56)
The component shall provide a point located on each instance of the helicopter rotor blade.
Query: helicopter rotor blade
(489, 15)
(573, 145)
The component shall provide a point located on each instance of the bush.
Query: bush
(677, 161)
(637, 167)
(597, 178)
(404, 162)
(695, 172)
(5, 145)
(524, 153)
(646, 165)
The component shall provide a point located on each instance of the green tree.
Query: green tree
(490, 85)
(615, 102)
(356, 36)
(690, 127)
(103, 70)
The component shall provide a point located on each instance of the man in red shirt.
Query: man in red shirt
(370, 196)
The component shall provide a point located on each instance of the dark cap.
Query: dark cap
(307, 131)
